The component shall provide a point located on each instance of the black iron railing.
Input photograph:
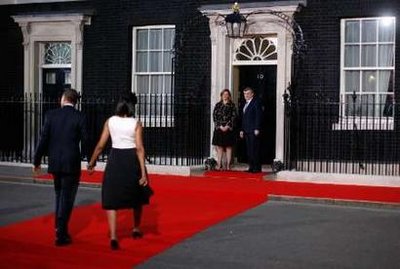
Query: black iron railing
(176, 127)
(343, 137)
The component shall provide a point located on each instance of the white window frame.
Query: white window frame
(152, 120)
(361, 122)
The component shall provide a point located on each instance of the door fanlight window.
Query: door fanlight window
(57, 53)
(256, 49)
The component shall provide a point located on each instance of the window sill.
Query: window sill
(158, 122)
(356, 123)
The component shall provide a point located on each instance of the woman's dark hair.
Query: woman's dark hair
(229, 93)
(126, 105)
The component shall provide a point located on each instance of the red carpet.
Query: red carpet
(334, 191)
(293, 189)
(180, 208)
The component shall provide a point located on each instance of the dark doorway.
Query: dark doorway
(55, 81)
(262, 79)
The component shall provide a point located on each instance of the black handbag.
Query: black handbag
(147, 191)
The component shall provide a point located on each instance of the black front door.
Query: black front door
(55, 81)
(262, 79)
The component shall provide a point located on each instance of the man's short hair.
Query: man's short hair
(248, 89)
(71, 95)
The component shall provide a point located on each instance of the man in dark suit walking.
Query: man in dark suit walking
(64, 128)
(251, 127)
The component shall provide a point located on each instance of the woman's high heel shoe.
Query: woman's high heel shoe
(114, 244)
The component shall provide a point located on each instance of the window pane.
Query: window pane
(368, 55)
(169, 38)
(386, 30)
(156, 84)
(352, 106)
(369, 31)
(156, 39)
(385, 81)
(142, 39)
(352, 56)
(386, 55)
(387, 107)
(51, 78)
(142, 84)
(67, 77)
(155, 62)
(167, 84)
(352, 31)
(352, 81)
(369, 81)
(167, 61)
(141, 62)
(368, 105)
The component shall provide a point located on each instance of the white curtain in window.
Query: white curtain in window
(156, 62)
(386, 30)
(168, 86)
(368, 31)
(142, 39)
(369, 81)
(352, 81)
(156, 39)
(141, 61)
(352, 56)
(142, 84)
(352, 32)
(156, 84)
(368, 55)
(169, 38)
(386, 55)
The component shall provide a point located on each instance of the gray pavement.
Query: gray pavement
(288, 235)
(276, 234)
(22, 201)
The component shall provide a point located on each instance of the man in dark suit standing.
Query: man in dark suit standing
(64, 128)
(251, 127)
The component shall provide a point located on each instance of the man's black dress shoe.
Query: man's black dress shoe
(136, 234)
(114, 244)
(63, 241)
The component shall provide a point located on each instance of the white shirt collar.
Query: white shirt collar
(68, 104)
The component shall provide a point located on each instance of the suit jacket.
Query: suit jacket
(64, 128)
(252, 116)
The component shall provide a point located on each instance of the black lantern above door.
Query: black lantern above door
(236, 23)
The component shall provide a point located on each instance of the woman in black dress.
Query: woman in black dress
(224, 116)
(125, 172)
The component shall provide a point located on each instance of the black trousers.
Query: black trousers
(253, 143)
(66, 187)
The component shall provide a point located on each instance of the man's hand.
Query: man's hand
(241, 134)
(37, 170)
(256, 132)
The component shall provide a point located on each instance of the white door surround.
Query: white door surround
(37, 29)
(261, 23)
